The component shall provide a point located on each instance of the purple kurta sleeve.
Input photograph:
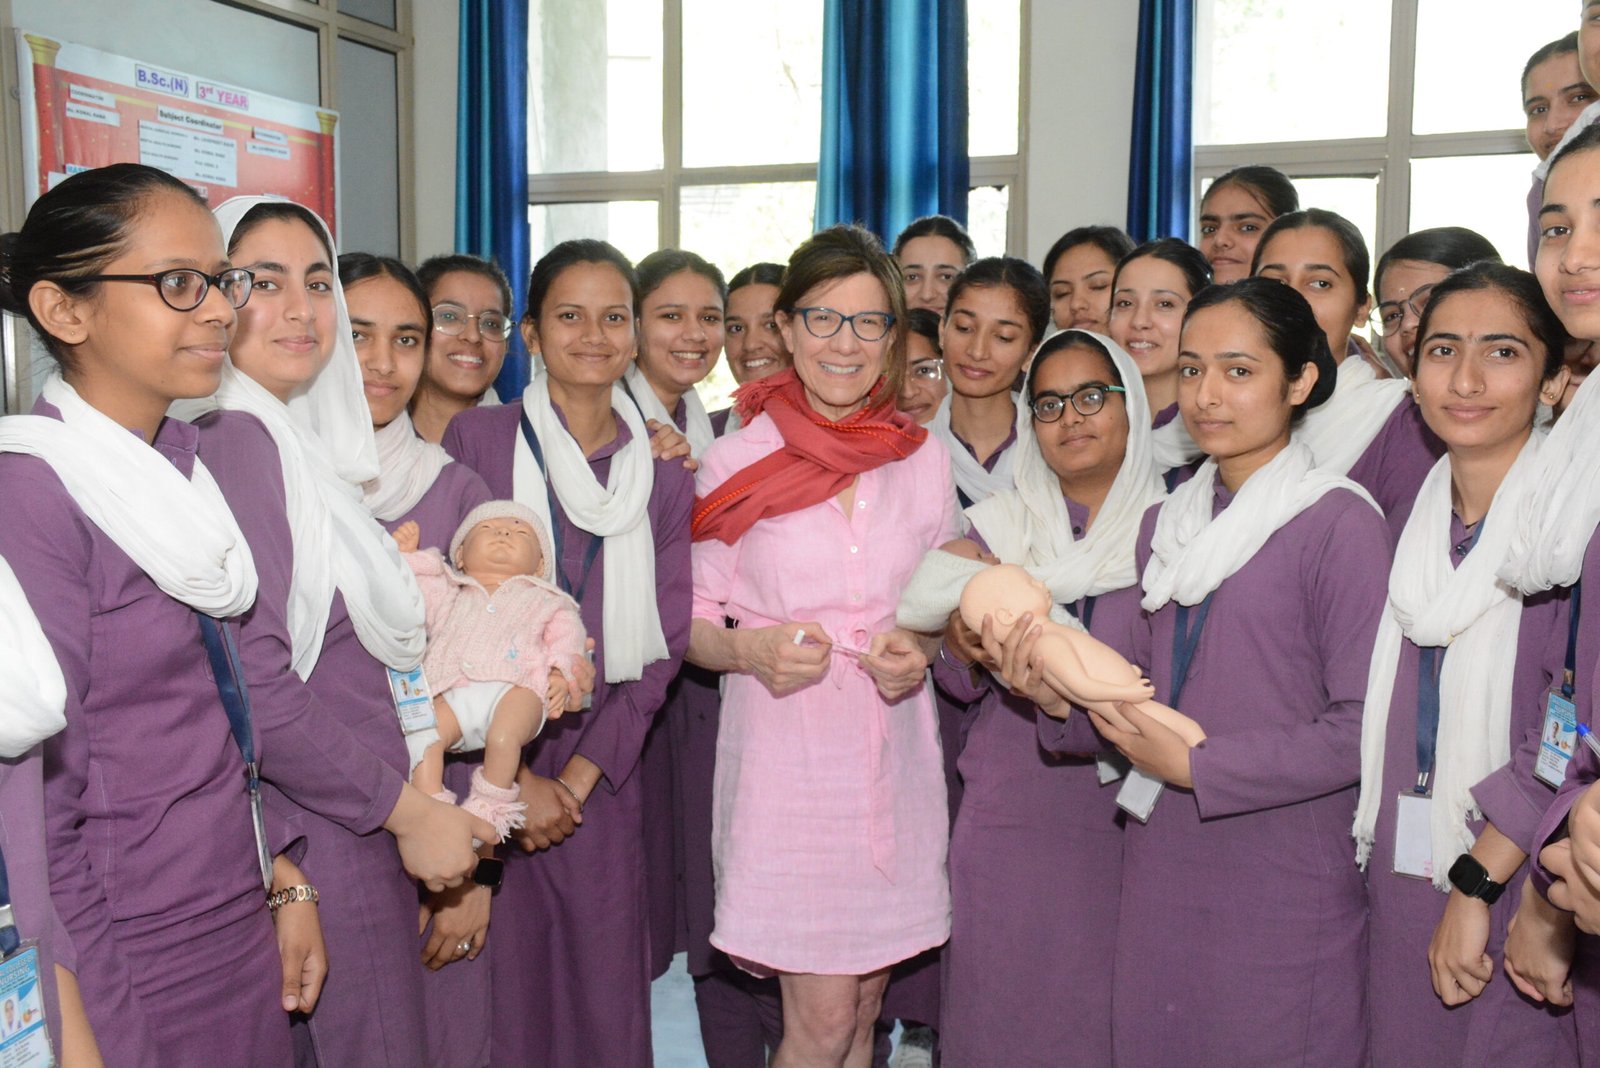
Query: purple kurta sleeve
(1511, 797)
(1246, 771)
(1582, 771)
(46, 540)
(306, 753)
(614, 734)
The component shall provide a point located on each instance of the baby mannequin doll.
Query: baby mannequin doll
(502, 642)
(1078, 666)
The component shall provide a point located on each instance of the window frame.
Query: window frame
(666, 184)
(1387, 158)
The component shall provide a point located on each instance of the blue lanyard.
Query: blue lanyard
(1086, 612)
(1185, 639)
(235, 695)
(10, 937)
(575, 591)
(1569, 674)
(1430, 662)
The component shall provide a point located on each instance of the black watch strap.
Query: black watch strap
(1472, 878)
(489, 872)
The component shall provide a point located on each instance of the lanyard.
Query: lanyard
(1086, 612)
(10, 937)
(1184, 640)
(575, 591)
(1569, 674)
(224, 655)
(1430, 663)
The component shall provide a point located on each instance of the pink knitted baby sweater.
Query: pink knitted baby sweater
(516, 635)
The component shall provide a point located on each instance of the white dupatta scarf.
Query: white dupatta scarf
(697, 424)
(1476, 616)
(1560, 505)
(33, 695)
(1193, 553)
(178, 530)
(1172, 446)
(976, 482)
(407, 468)
(1029, 525)
(1339, 430)
(327, 450)
(617, 511)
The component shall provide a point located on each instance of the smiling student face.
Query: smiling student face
(390, 330)
(1310, 260)
(1555, 95)
(680, 332)
(755, 345)
(286, 331)
(1081, 448)
(1568, 263)
(1147, 313)
(466, 364)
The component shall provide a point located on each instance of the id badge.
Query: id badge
(1139, 793)
(413, 700)
(1559, 735)
(24, 1037)
(1413, 837)
(1109, 767)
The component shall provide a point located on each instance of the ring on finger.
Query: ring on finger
(464, 946)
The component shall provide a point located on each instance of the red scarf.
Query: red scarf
(818, 460)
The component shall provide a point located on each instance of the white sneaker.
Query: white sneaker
(915, 1049)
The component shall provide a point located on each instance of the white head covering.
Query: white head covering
(326, 446)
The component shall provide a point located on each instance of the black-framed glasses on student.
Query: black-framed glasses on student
(927, 371)
(185, 288)
(451, 320)
(1388, 316)
(1050, 406)
(825, 322)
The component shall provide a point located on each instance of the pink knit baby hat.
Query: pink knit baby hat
(503, 510)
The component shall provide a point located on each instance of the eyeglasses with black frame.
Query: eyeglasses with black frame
(1388, 316)
(825, 322)
(1050, 406)
(451, 321)
(927, 370)
(184, 288)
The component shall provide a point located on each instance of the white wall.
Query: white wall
(434, 23)
(1080, 112)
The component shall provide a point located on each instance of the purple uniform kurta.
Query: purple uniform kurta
(1393, 466)
(1410, 1025)
(571, 961)
(335, 763)
(1242, 935)
(456, 997)
(152, 859)
(1035, 877)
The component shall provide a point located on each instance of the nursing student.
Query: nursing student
(1558, 98)
(132, 561)
(1454, 784)
(925, 386)
(830, 831)
(1558, 545)
(997, 312)
(1235, 213)
(1036, 852)
(1263, 581)
(418, 482)
(571, 961)
(1078, 268)
(1371, 429)
(470, 300)
(288, 435)
(750, 332)
(1406, 275)
(931, 251)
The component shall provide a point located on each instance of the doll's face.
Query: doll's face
(1003, 592)
(500, 548)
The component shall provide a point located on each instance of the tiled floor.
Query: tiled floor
(674, 1025)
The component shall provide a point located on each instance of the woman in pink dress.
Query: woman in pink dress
(830, 823)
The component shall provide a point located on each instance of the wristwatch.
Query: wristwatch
(1472, 879)
(488, 872)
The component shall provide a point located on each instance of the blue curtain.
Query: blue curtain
(894, 113)
(492, 153)
(1161, 163)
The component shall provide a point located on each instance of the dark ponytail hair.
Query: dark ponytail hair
(1290, 325)
(73, 231)
(925, 324)
(1352, 246)
(1017, 275)
(359, 266)
(1523, 289)
(1451, 247)
(280, 211)
(1267, 184)
(938, 226)
(662, 264)
(757, 274)
(436, 267)
(1182, 255)
(570, 254)
(1108, 239)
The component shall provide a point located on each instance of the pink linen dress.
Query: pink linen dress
(830, 823)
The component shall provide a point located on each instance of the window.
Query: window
(1398, 114)
(696, 124)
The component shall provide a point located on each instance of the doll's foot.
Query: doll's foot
(497, 805)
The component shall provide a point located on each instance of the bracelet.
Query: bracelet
(289, 895)
(571, 791)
